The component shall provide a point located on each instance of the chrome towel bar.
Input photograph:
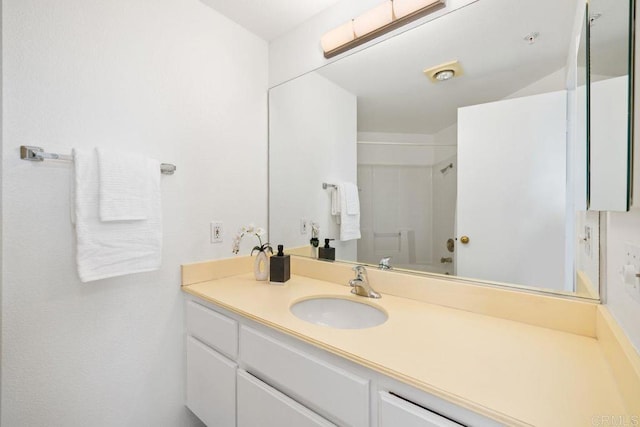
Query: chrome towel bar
(327, 185)
(37, 154)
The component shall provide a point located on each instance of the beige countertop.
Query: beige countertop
(514, 372)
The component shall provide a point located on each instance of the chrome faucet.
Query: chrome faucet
(361, 285)
(385, 263)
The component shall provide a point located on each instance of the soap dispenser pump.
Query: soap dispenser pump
(327, 252)
(280, 266)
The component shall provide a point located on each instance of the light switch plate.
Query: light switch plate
(587, 240)
(632, 258)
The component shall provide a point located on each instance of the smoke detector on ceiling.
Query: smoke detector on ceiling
(531, 37)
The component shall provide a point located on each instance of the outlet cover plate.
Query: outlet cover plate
(216, 232)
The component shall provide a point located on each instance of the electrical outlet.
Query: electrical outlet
(216, 232)
(303, 226)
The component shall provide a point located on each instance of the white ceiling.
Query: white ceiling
(486, 37)
(269, 18)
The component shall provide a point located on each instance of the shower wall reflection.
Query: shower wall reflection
(407, 200)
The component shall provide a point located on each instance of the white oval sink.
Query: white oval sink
(338, 313)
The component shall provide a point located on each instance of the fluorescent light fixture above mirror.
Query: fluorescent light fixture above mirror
(338, 37)
(376, 18)
(380, 20)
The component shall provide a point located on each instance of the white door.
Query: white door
(512, 190)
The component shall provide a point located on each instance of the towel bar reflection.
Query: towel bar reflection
(327, 185)
(37, 154)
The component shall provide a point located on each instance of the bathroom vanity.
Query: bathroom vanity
(482, 357)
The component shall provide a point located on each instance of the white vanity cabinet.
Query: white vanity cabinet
(242, 373)
(211, 384)
(262, 405)
(394, 411)
(334, 392)
(212, 344)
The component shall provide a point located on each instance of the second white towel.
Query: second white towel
(114, 248)
(349, 201)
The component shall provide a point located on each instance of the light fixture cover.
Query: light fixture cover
(444, 75)
(374, 19)
(453, 66)
(376, 22)
(402, 8)
(337, 37)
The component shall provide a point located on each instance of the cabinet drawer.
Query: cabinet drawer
(211, 385)
(338, 395)
(213, 328)
(261, 405)
(394, 412)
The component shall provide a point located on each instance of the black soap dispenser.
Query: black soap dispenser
(279, 266)
(327, 252)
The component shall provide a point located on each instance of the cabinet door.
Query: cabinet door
(217, 331)
(337, 394)
(396, 412)
(261, 405)
(211, 385)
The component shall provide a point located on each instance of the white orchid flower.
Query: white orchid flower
(251, 229)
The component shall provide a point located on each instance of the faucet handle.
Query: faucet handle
(385, 263)
(361, 272)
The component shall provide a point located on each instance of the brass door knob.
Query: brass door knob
(464, 240)
(451, 245)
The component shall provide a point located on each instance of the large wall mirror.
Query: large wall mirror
(483, 176)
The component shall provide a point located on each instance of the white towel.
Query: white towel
(115, 248)
(350, 191)
(124, 186)
(335, 201)
(335, 204)
(349, 223)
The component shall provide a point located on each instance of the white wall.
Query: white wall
(418, 199)
(552, 82)
(396, 214)
(313, 125)
(170, 78)
(447, 136)
(445, 193)
(402, 154)
(299, 51)
(587, 253)
(623, 227)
